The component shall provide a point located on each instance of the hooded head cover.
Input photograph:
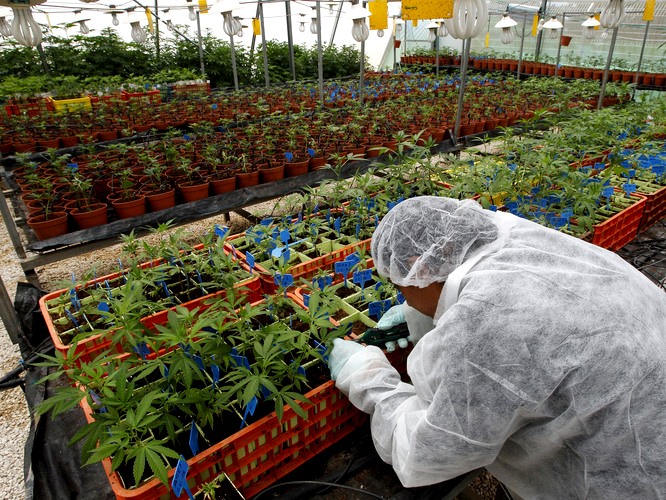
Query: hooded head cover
(422, 240)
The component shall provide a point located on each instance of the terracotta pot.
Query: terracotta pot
(659, 80)
(466, 129)
(222, 185)
(317, 162)
(295, 168)
(56, 225)
(588, 73)
(479, 126)
(69, 142)
(578, 73)
(193, 192)
(646, 79)
(132, 208)
(95, 215)
(25, 147)
(45, 144)
(565, 40)
(107, 135)
(161, 200)
(247, 179)
(271, 174)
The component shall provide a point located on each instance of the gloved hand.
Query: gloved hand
(342, 351)
(392, 317)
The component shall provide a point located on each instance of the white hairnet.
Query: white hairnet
(422, 240)
(549, 369)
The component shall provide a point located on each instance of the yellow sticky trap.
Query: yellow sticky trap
(535, 25)
(597, 16)
(149, 16)
(256, 27)
(378, 14)
(487, 38)
(427, 9)
(648, 13)
(203, 7)
(415, 23)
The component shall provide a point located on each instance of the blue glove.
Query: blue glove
(342, 351)
(392, 317)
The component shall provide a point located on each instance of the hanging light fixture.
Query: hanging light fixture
(432, 31)
(469, 19)
(24, 27)
(612, 15)
(330, 8)
(604, 34)
(192, 14)
(588, 27)
(441, 31)
(301, 26)
(313, 22)
(360, 30)
(5, 28)
(166, 18)
(540, 24)
(240, 32)
(114, 14)
(231, 24)
(506, 24)
(398, 26)
(134, 19)
(83, 27)
(552, 25)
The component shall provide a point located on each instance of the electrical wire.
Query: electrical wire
(323, 483)
(338, 478)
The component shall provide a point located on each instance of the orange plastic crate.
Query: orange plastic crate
(622, 228)
(262, 453)
(153, 96)
(655, 209)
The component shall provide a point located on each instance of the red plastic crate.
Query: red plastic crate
(153, 96)
(262, 453)
(622, 228)
(655, 209)
(195, 87)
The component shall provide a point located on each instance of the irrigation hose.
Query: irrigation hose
(321, 483)
(12, 379)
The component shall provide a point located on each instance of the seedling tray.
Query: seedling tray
(262, 453)
(621, 228)
(655, 208)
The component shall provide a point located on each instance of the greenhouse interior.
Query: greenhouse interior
(345, 249)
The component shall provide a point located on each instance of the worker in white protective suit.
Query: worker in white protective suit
(546, 363)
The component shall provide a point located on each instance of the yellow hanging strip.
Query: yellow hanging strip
(149, 16)
(487, 39)
(535, 25)
(648, 13)
(597, 16)
(203, 7)
(256, 27)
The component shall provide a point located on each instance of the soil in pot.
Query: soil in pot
(56, 225)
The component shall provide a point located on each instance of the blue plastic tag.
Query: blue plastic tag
(73, 167)
(285, 236)
(299, 217)
(214, 106)
(391, 204)
(283, 280)
(166, 371)
(97, 401)
(197, 359)
(194, 439)
(179, 481)
(315, 209)
(400, 298)
(358, 230)
(249, 410)
(629, 188)
(103, 306)
(327, 216)
(323, 282)
(240, 361)
(306, 300)
(607, 192)
(343, 267)
(376, 220)
(141, 349)
(337, 224)
(265, 392)
(289, 156)
(379, 307)
(354, 258)
(361, 277)
(216, 373)
(186, 137)
(71, 317)
(250, 260)
(221, 231)
(234, 252)
(311, 152)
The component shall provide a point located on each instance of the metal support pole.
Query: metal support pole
(437, 53)
(335, 23)
(157, 32)
(11, 227)
(463, 79)
(42, 58)
(608, 63)
(234, 69)
(559, 45)
(395, 53)
(290, 40)
(201, 57)
(522, 43)
(361, 78)
(8, 314)
(320, 54)
(542, 12)
(254, 37)
(267, 79)
(640, 58)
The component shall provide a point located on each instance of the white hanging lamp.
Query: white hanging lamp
(166, 18)
(230, 24)
(360, 30)
(469, 19)
(5, 28)
(134, 19)
(441, 31)
(313, 22)
(114, 14)
(612, 15)
(83, 27)
(24, 27)
(588, 27)
(432, 31)
(506, 24)
(552, 25)
(192, 15)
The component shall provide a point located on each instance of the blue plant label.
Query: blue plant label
(234, 252)
(391, 204)
(321, 349)
(165, 288)
(285, 236)
(194, 439)
(306, 300)
(187, 137)
(358, 229)
(284, 280)
(97, 401)
(73, 167)
(343, 267)
(376, 220)
(240, 361)
(362, 277)
(323, 282)
(300, 370)
(492, 208)
(141, 349)
(629, 188)
(71, 317)
(607, 192)
(286, 255)
(378, 285)
(354, 258)
(265, 392)
(377, 308)
(104, 307)
(216, 373)
(400, 298)
(197, 359)
(179, 481)
(658, 169)
(166, 371)
(249, 410)
(289, 156)
(250, 260)
(315, 209)
(221, 231)
(108, 288)
(299, 217)
(74, 299)
(311, 152)
(337, 224)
